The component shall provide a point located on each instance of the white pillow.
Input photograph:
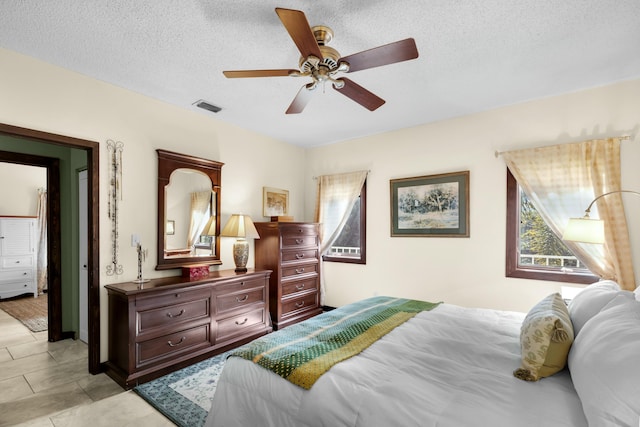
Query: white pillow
(591, 300)
(604, 364)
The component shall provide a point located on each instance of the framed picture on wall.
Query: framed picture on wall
(275, 202)
(171, 227)
(430, 206)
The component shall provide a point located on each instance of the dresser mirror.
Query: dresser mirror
(188, 210)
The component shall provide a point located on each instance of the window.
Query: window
(350, 245)
(533, 250)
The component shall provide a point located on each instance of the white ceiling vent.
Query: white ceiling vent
(207, 106)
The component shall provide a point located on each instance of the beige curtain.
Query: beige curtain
(199, 215)
(41, 235)
(562, 180)
(336, 195)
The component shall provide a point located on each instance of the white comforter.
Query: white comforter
(451, 366)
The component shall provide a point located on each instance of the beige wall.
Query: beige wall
(19, 189)
(461, 271)
(47, 98)
(469, 272)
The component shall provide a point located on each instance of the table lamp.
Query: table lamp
(241, 227)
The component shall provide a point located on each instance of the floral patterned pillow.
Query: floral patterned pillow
(546, 336)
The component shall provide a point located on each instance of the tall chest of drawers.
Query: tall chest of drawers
(18, 256)
(166, 324)
(292, 251)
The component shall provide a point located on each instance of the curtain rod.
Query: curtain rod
(316, 177)
(621, 138)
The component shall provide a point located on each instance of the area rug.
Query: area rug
(32, 312)
(185, 396)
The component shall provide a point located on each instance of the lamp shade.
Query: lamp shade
(585, 230)
(210, 227)
(240, 226)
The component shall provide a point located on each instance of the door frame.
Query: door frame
(53, 238)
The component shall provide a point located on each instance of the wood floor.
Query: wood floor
(44, 384)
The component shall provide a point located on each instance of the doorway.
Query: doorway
(54, 233)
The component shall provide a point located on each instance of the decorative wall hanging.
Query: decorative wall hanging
(115, 196)
(431, 206)
(275, 202)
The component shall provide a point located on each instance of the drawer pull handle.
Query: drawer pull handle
(299, 304)
(300, 287)
(299, 256)
(299, 241)
(25, 273)
(175, 315)
(246, 319)
(243, 299)
(177, 295)
(18, 262)
(300, 270)
(242, 283)
(178, 343)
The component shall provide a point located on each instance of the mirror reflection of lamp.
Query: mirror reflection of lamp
(241, 227)
(586, 229)
(210, 230)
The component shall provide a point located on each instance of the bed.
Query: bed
(447, 366)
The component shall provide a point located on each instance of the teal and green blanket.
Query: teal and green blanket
(303, 352)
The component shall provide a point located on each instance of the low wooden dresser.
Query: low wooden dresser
(292, 251)
(166, 324)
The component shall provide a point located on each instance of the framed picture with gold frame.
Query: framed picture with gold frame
(275, 202)
(430, 206)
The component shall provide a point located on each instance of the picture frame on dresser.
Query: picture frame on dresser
(430, 206)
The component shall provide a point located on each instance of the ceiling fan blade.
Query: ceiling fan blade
(300, 31)
(359, 94)
(258, 73)
(302, 99)
(391, 53)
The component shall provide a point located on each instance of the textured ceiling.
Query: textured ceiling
(474, 54)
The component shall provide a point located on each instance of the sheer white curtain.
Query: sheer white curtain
(199, 215)
(336, 195)
(561, 181)
(41, 236)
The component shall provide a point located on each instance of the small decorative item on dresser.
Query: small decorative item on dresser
(241, 227)
(194, 272)
(281, 218)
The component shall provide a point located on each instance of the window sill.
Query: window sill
(554, 276)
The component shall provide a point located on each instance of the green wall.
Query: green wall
(71, 160)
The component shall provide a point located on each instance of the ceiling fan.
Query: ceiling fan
(322, 63)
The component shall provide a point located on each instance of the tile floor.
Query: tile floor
(44, 384)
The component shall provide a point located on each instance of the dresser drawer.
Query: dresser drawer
(299, 270)
(238, 324)
(13, 275)
(300, 255)
(172, 344)
(20, 286)
(175, 314)
(303, 285)
(298, 304)
(230, 302)
(299, 241)
(19, 261)
(239, 285)
(144, 303)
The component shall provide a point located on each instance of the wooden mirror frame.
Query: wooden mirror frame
(168, 162)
